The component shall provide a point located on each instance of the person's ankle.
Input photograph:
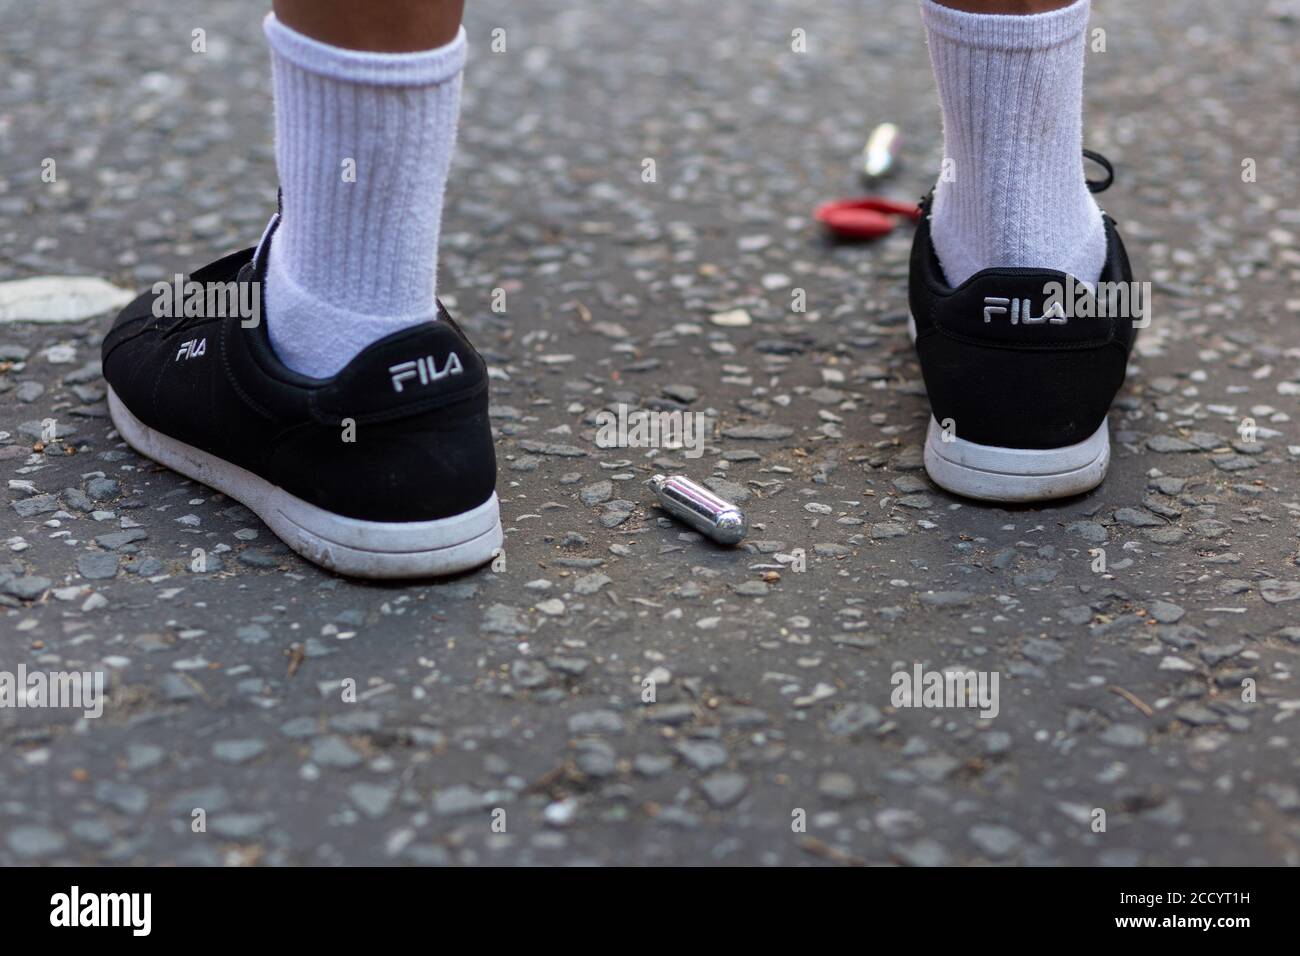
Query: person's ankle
(315, 337)
(1007, 235)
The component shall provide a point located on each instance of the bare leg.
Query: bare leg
(387, 26)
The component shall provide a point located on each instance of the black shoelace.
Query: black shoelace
(1099, 185)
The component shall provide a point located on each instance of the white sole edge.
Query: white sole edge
(990, 473)
(350, 546)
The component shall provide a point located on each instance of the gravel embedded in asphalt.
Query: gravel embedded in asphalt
(616, 688)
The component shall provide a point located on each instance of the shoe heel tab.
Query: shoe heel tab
(409, 372)
(1025, 308)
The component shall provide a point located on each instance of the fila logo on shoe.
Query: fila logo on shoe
(192, 349)
(425, 369)
(1021, 311)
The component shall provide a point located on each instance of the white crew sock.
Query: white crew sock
(353, 261)
(1011, 91)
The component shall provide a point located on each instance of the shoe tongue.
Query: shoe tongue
(419, 366)
(1031, 307)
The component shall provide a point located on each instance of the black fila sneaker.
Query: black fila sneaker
(1021, 366)
(385, 470)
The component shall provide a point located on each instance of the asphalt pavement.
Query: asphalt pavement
(616, 689)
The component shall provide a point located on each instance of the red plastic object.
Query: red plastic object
(866, 218)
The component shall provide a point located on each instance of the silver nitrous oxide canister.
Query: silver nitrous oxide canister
(700, 508)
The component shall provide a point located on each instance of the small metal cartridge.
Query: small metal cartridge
(880, 155)
(700, 508)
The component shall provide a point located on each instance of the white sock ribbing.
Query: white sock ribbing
(355, 256)
(1011, 91)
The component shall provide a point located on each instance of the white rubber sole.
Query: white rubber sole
(991, 473)
(365, 549)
